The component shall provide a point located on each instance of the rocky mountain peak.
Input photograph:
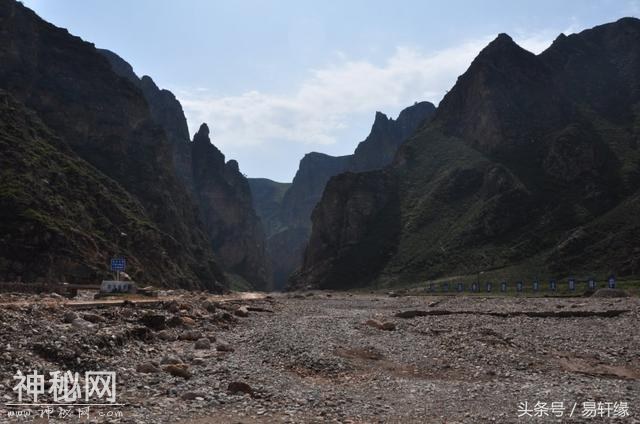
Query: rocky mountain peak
(503, 52)
(202, 136)
(146, 80)
(380, 119)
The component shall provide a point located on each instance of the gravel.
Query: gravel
(321, 359)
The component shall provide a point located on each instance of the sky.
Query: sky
(277, 79)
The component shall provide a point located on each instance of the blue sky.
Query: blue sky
(277, 79)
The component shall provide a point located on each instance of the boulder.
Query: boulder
(239, 387)
(222, 346)
(203, 343)
(82, 324)
(170, 360)
(178, 370)
(148, 368)
(389, 326)
(242, 311)
(194, 396)
(69, 316)
(374, 323)
(167, 335)
(190, 335)
(154, 321)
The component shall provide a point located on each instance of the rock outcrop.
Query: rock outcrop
(219, 189)
(289, 228)
(226, 208)
(531, 165)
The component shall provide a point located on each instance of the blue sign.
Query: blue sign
(489, 287)
(519, 286)
(572, 284)
(503, 286)
(536, 285)
(445, 287)
(474, 287)
(460, 287)
(553, 285)
(592, 284)
(612, 282)
(118, 264)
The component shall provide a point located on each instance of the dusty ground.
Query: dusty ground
(313, 358)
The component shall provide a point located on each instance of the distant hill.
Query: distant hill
(531, 166)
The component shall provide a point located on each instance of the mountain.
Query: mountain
(381, 145)
(226, 208)
(98, 162)
(530, 167)
(220, 191)
(267, 198)
(114, 164)
(288, 225)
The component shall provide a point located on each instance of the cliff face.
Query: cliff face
(289, 228)
(133, 136)
(226, 208)
(530, 166)
(166, 111)
(380, 147)
(221, 193)
(105, 121)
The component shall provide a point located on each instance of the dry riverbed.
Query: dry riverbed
(334, 357)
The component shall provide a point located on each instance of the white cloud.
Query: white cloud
(323, 104)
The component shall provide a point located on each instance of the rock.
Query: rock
(69, 316)
(174, 321)
(242, 311)
(202, 343)
(80, 323)
(170, 360)
(224, 347)
(210, 306)
(172, 306)
(193, 395)
(198, 361)
(190, 335)
(94, 318)
(147, 368)
(389, 326)
(178, 370)
(239, 387)
(188, 321)
(224, 316)
(154, 321)
(142, 333)
(607, 292)
(167, 335)
(374, 323)
(225, 205)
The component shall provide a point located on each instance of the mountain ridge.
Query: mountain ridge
(523, 158)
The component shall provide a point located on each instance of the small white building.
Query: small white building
(113, 286)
